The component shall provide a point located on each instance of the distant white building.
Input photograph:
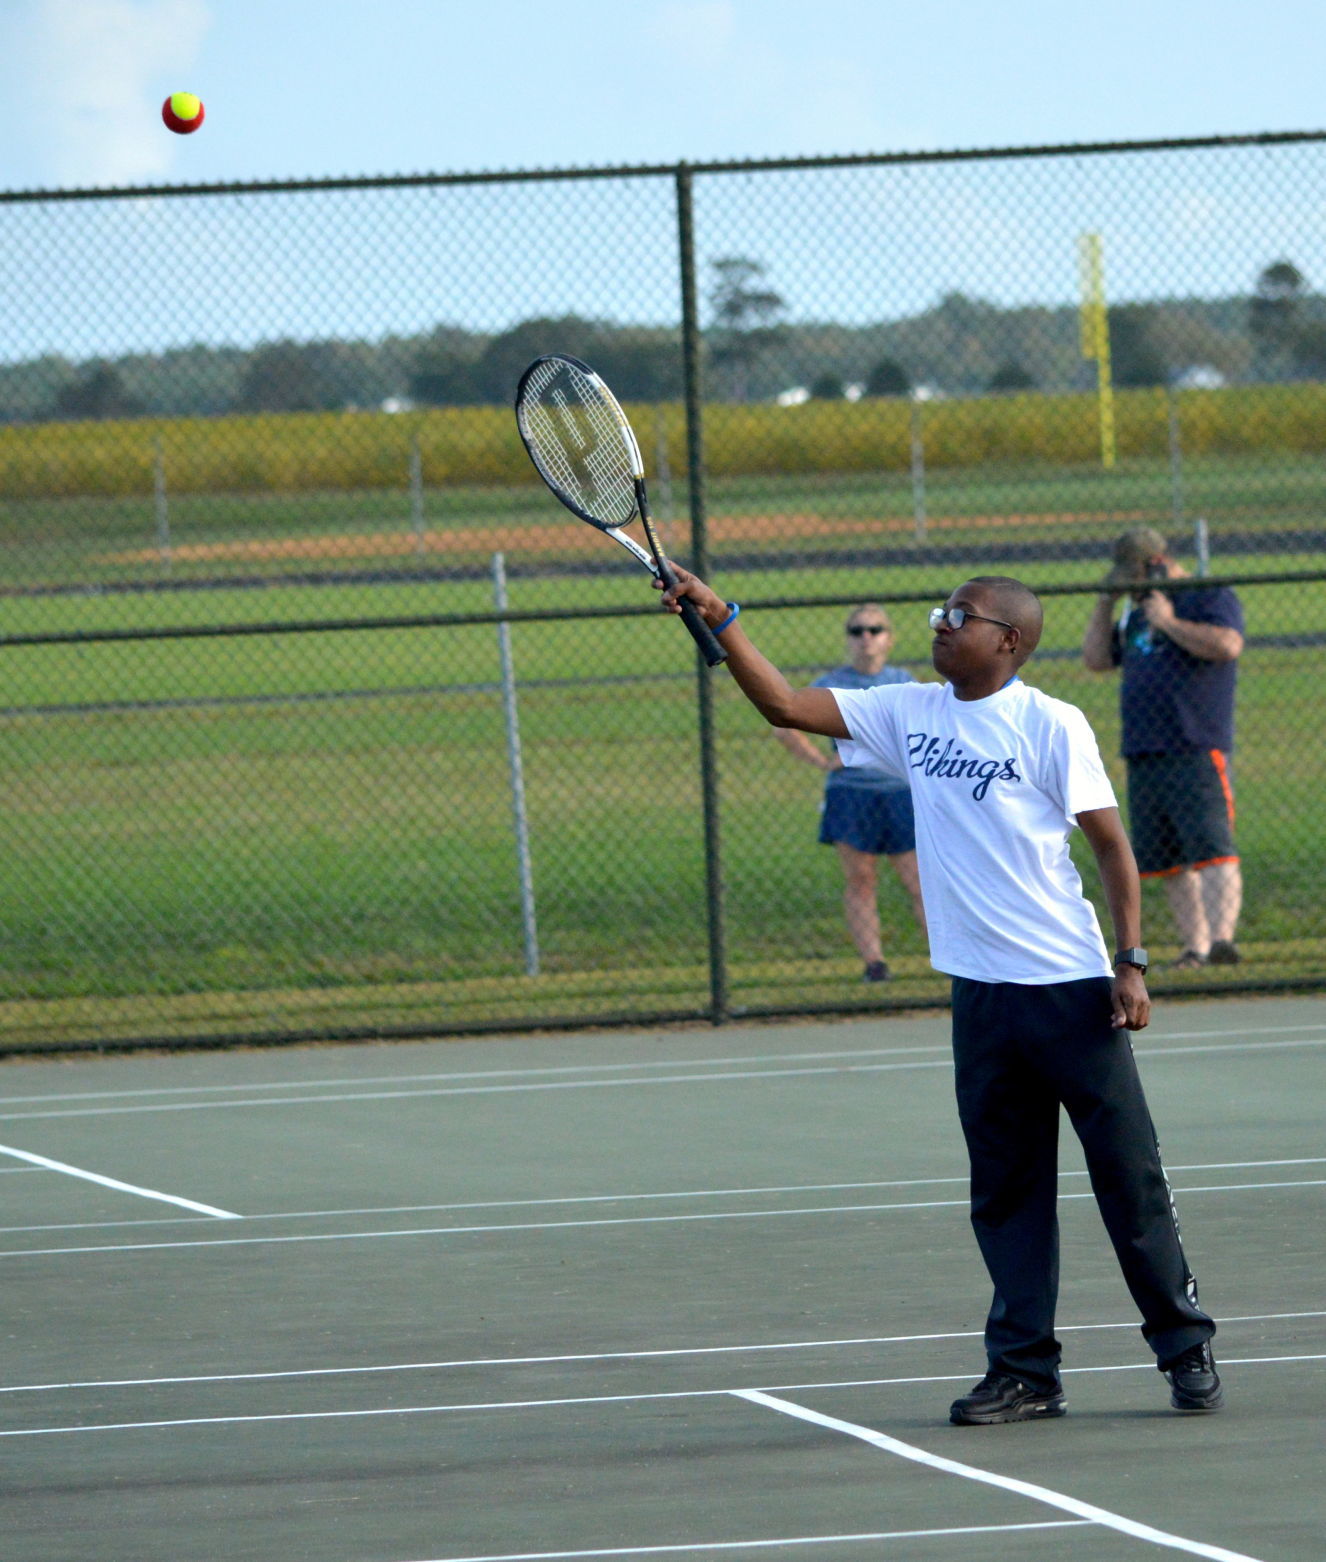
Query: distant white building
(1199, 376)
(397, 404)
(794, 396)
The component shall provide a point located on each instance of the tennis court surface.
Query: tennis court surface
(692, 1293)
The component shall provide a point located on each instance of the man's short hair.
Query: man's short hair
(1020, 604)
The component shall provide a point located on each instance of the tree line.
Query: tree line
(753, 351)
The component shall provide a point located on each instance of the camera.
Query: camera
(1154, 571)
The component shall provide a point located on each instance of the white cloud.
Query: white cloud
(99, 67)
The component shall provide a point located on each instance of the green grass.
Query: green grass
(356, 857)
(349, 861)
(373, 659)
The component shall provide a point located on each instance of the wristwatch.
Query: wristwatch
(1135, 957)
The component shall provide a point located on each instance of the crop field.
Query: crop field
(463, 445)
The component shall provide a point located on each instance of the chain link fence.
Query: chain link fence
(321, 719)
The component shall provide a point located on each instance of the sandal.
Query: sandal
(1189, 960)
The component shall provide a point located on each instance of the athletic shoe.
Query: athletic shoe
(998, 1397)
(1224, 952)
(1194, 1382)
(877, 971)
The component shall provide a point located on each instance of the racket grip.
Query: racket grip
(701, 633)
(703, 636)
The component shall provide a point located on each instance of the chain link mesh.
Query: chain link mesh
(285, 413)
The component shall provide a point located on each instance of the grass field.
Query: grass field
(273, 853)
(296, 831)
(283, 532)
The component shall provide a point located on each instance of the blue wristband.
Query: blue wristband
(733, 608)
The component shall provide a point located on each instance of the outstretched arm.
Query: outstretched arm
(1123, 894)
(808, 710)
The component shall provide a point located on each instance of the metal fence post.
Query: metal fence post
(692, 374)
(160, 502)
(1202, 545)
(918, 470)
(1175, 457)
(519, 818)
(417, 494)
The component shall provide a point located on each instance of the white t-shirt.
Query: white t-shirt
(997, 785)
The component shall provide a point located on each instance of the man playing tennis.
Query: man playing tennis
(1000, 773)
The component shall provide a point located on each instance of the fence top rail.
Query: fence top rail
(568, 614)
(1268, 138)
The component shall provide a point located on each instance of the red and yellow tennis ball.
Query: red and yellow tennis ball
(182, 113)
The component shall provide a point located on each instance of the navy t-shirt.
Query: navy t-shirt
(1171, 701)
(864, 777)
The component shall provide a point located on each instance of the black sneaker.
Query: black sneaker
(1224, 952)
(998, 1397)
(1194, 1383)
(877, 971)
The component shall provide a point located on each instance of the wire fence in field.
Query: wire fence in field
(320, 717)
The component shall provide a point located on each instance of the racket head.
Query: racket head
(579, 440)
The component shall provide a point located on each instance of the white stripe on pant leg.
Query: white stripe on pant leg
(1055, 1499)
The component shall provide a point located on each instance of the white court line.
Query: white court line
(568, 1225)
(624, 1198)
(532, 1071)
(555, 1402)
(493, 1090)
(112, 1182)
(538, 1071)
(1143, 1054)
(749, 1545)
(1054, 1499)
(966, 1377)
(656, 1354)
(584, 1198)
(515, 1225)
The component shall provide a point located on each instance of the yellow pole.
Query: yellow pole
(1095, 325)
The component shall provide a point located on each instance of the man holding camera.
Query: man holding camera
(1178, 650)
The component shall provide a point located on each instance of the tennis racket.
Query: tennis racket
(583, 447)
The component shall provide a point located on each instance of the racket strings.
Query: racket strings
(578, 443)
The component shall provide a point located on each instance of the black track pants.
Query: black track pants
(1019, 1052)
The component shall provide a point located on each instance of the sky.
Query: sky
(308, 89)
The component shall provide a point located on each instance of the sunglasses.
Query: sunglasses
(857, 630)
(956, 617)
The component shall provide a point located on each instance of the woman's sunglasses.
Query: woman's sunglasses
(857, 630)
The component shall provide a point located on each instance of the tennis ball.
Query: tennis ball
(182, 113)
